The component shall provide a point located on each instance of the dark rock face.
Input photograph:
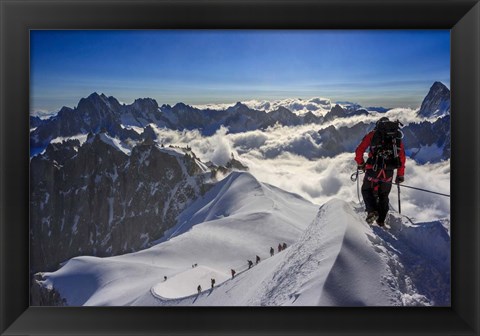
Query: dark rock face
(339, 112)
(284, 116)
(336, 112)
(96, 200)
(310, 118)
(241, 118)
(344, 139)
(43, 296)
(436, 103)
(36, 121)
(426, 134)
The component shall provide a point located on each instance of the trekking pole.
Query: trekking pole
(399, 207)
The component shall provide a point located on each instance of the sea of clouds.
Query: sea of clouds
(286, 157)
(316, 105)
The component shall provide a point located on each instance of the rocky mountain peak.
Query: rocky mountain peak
(64, 111)
(436, 103)
(239, 107)
(336, 112)
(283, 110)
(439, 86)
(93, 102)
(337, 109)
(180, 106)
(145, 103)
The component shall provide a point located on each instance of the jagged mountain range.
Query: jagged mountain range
(99, 112)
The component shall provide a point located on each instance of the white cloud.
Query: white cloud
(331, 185)
(217, 148)
(404, 115)
(43, 114)
(218, 107)
(278, 156)
(222, 149)
(318, 106)
(249, 140)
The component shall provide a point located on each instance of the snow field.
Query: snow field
(182, 285)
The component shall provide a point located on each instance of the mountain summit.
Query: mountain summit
(436, 103)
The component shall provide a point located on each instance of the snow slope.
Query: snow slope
(341, 261)
(240, 218)
(333, 257)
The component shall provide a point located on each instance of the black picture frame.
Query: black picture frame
(17, 17)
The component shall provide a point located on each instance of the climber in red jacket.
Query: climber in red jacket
(386, 153)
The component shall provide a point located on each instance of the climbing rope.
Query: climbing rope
(354, 177)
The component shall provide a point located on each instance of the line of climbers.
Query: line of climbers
(212, 284)
(281, 247)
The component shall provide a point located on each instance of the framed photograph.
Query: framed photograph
(239, 168)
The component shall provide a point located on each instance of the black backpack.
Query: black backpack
(385, 145)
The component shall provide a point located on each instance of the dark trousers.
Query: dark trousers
(375, 194)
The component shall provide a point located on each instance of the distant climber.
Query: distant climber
(272, 251)
(386, 154)
(165, 278)
(284, 246)
(199, 289)
(257, 260)
(212, 282)
(233, 273)
(279, 247)
(250, 264)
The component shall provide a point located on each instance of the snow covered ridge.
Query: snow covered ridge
(333, 258)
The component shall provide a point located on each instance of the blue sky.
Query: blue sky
(373, 68)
